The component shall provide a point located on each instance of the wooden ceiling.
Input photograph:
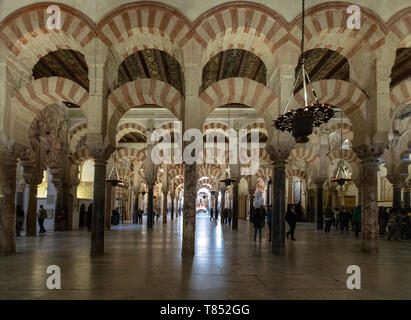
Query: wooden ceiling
(323, 64)
(402, 67)
(154, 64)
(133, 137)
(233, 63)
(63, 63)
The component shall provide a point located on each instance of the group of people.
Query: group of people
(227, 216)
(262, 215)
(395, 223)
(137, 216)
(341, 217)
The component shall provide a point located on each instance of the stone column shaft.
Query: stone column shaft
(150, 205)
(99, 201)
(165, 209)
(407, 199)
(278, 208)
(8, 166)
(235, 205)
(189, 209)
(31, 218)
(396, 198)
(370, 208)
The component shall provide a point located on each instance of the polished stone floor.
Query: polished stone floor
(227, 265)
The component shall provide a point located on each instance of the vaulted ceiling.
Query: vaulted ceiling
(323, 64)
(154, 64)
(233, 63)
(133, 137)
(63, 63)
(402, 67)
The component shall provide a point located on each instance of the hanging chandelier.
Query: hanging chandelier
(300, 122)
(341, 177)
(114, 177)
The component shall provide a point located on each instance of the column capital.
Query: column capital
(101, 153)
(319, 181)
(368, 153)
(278, 156)
(397, 180)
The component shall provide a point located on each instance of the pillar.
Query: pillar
(278, 205)
(31, 218)
(172, 206)
(107, 217)
(59, 205)
(8, 166)
(396, 197)
(235, 205)
(189, 209)
(150, 204)
(222, 206)
(165, 209)
(319, 212)
(407, 195)
(251, 195)
(369, 210)
(99, 201)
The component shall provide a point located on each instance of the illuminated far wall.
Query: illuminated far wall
(42, 187)
(86, 185)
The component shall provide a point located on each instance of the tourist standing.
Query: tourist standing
(328, 217)
(41, 215)
(291, 218)
(356, 219)
(344, 220)
(259, 221)
(19, 219)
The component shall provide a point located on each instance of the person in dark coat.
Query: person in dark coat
(258, 221)
(19, 219)
(291, 218)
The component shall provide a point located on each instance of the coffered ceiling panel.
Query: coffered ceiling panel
(154, 64)
(233, 63)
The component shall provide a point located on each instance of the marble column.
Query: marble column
(165, 209)
(396, 197)
(189, 209)
(235, 205)
(251, 195)
(150, 205)
(222, 206)
(99, 201)
(107, 217)
(173, 202)
(369, 210)
(407, 199)
(319, 212)
(59, 204)
(31, 218)
(216, 204)
(8, 166)
(278, 205)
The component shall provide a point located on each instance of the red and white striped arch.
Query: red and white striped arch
(264, 173)
(326, 27)
(210, 170)
(175, 170)
(131, 154)
(399, 27)
(342, 94)
(27, 37)
(247, 26)
(128, 127)
(306, 154)
(81, 155)
(38, 94)
(76, 133)
(295, 173)
(239, 90)
(141, 92)
(400, 94)
(347, 155)
(346, 128)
